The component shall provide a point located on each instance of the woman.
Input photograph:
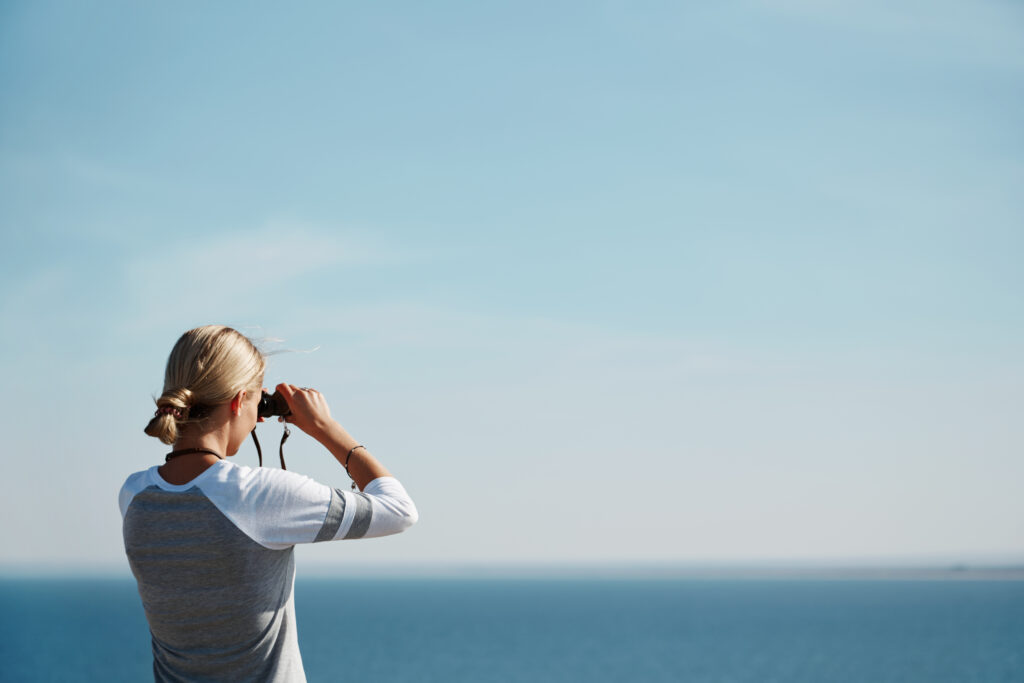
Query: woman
(210, 542)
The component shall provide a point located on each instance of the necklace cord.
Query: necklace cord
(187, 451)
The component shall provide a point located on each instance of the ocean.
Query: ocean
(536, 630)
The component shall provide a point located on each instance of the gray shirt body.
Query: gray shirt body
(215, 566)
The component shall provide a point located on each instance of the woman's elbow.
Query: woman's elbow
(410, 515)
(401, 514)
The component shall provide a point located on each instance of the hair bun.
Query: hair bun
(180, 398)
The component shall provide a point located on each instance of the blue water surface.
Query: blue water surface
(562, 630)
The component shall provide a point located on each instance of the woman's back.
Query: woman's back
(219, 604)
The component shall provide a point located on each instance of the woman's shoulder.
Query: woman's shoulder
(137, 478)
(261, 480)
(135, 483)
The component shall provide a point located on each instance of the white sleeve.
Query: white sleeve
(380, 509)
(278, 509)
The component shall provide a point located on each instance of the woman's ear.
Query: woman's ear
(236, 403)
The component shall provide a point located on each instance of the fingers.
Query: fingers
(294, 391)
(291, 389)
(309, 409)
(301, 401)
(287, 391)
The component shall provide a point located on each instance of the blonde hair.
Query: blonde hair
(207, 367)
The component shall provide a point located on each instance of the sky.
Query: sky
(611, 283)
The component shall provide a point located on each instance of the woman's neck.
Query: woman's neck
(183, 468)
(211, 442)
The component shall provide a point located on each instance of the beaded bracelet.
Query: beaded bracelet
(345, 464)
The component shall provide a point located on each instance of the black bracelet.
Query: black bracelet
(345, 464)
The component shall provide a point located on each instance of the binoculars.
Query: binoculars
(273, 404)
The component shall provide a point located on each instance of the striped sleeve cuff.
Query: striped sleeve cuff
(381, 509)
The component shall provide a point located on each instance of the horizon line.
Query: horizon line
(1010, 570)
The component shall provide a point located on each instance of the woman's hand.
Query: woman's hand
(310, 412)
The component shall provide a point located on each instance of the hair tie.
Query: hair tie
(168, 410)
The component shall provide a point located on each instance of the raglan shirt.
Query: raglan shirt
(214, 562)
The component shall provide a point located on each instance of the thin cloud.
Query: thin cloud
(244, 270)
(530, 346)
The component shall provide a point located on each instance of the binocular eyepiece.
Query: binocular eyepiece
(273, 404)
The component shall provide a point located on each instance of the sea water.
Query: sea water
(562, 630)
